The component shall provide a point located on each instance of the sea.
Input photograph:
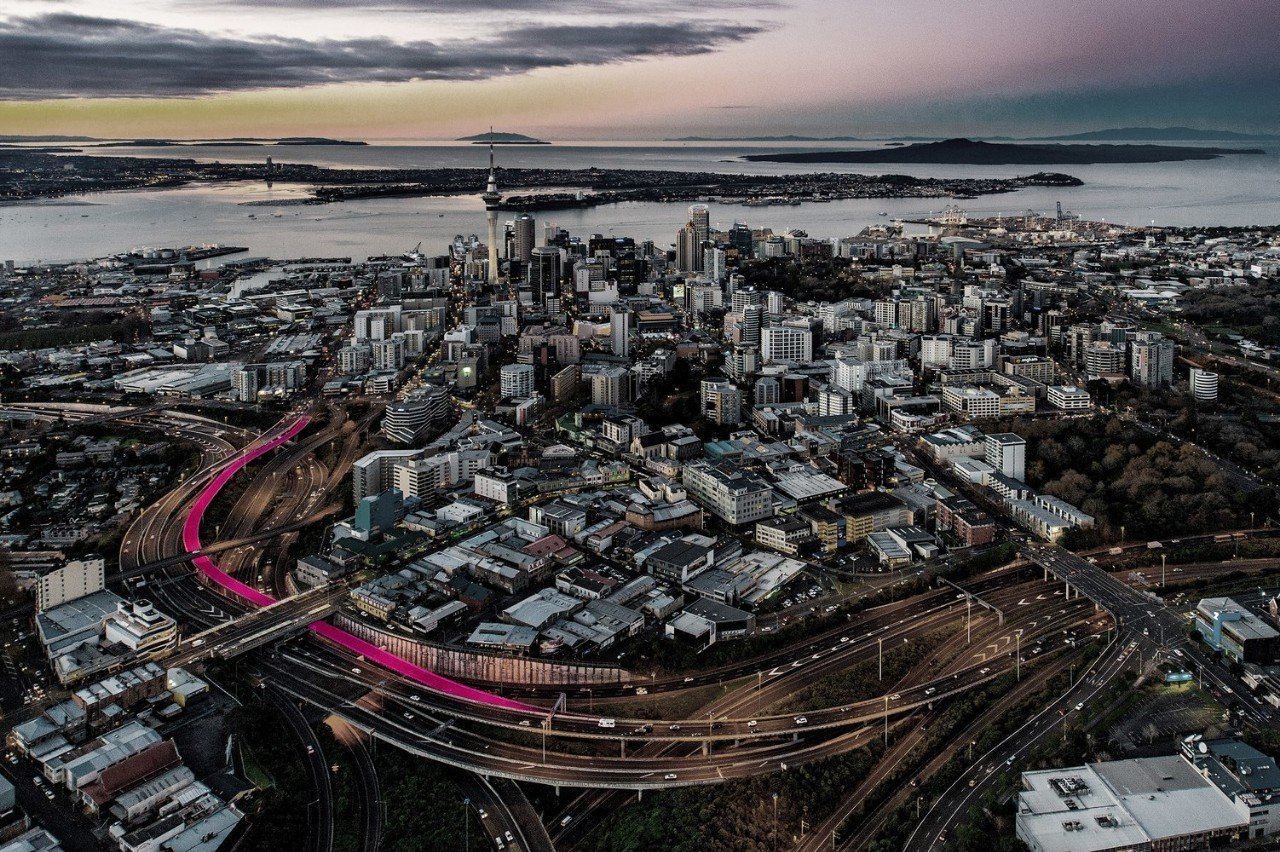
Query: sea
(1234, 190)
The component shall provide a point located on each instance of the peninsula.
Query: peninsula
(978, 153)
(30, 174)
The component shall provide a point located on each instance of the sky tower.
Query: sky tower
(492, 199)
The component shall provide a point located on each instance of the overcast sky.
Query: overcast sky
(602, 69)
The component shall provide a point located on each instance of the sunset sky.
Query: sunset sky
(617, 69)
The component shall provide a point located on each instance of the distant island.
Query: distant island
(977, 153)
(1124, 134)
(764, 139)
(1156, 134)
(237, 141)
(492, 138)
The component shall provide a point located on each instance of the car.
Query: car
(670, 776)
(984, 670)
(499, 844)
(1079, 706)
(844, 639)
(355, 670)
(689, 679)
(673, 727)
(37, 780)
(415, 697)
(48, 794)
(640, 690)
(525, 723)
(510, 839)
(801, 720)
(607, 723)
(408, 715)
(753, 723)
(311, 749)
(1177, 652)
(567, 819)
(483, 813)
(895, 696)
(1009, 762)
(931, 690)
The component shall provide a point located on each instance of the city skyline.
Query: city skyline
(436, 69)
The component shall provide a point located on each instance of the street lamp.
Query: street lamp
(466, 820)
(1017, 654)
(775, 822)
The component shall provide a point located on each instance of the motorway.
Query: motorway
(1146, 628)
(317, 768)
(438, 725)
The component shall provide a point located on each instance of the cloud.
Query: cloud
(63, 55)
(647, 9)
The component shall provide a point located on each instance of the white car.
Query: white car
(670, 776)
(800, 720)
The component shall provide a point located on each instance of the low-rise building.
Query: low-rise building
(1236, 631)
(1155, 803)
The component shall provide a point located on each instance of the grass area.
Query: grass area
(846, 587)
(860, 682)
(253, 770)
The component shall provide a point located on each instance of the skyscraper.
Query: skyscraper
(1151, 357)
(620, 331)
(544, 273)
(700, 218)
(688, 249)
(522, 239)
(492, 198)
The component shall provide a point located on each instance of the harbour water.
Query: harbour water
(1233, 190)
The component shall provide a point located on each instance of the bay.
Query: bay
(1237, 190)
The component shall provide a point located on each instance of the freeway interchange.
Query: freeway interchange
(742, 733)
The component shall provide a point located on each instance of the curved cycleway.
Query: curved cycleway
(206, 566)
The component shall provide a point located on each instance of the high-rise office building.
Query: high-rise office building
(620, 331)
(713, 262)
(1151, 359)
(1007, 453)
(515, 381)
(740, 239)
(688, 249)
(522, 239)
(786, 343)
(752, 322)
(544, 273)
(700, 218)
(721, 402)
(1204, 385)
